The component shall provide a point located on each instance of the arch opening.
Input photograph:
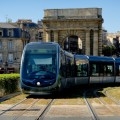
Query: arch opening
(73, 44)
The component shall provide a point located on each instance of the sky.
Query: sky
(34, 10)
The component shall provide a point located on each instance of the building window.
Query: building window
(1, 33)
(10, 45)
(40, 36)
(10, 32)
(10, 57)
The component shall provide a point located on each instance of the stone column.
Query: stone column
(100, 42)
(48, 36)
(95, 43)
(56, 36)
(44, 36)
(87, 43)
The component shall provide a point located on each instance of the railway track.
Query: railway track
(99, 108)
(45, 110)
(27, 108)
(68, 106)
(94, 115)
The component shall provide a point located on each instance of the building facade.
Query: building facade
(10, 51)
(12, 39)
(76, 30)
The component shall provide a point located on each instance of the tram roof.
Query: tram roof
(81, 56)
(117, 60)
(33, 43)
(101, 58)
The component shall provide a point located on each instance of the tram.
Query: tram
(43, 67)
(47, 68)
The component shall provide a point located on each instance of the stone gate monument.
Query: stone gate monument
(77, 30)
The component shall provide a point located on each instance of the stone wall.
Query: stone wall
(73, 13)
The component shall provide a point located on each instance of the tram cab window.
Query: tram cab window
(35, 63)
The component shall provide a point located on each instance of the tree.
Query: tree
(108, 50)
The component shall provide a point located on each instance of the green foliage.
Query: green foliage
(9, 83)
(108, 50)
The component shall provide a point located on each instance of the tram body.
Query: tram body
(42, 68)
(47, 68)
(99, 69)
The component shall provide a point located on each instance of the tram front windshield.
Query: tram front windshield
(40, 63)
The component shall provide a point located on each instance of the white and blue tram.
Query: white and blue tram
(47, 68)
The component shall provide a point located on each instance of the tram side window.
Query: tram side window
(62, 66)
(106, 70)
(72, 68)
(81, 70)
(94, 69)
(109, 70)
(68, 67)
(119, 71)
(102, 70)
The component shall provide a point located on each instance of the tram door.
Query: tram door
(117, 72)
(94, 73)
(117, 68)
(107, 72)
(81, 72)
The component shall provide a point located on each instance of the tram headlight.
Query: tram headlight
(38, 83)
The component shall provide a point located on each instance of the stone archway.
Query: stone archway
(85, 23)
(77, 39)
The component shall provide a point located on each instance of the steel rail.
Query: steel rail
(13, 106)
(90, 107)
(45, 110)
(31, 105)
